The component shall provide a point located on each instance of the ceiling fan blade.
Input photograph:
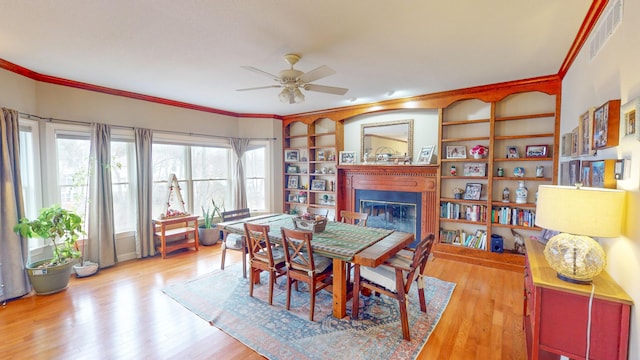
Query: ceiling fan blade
(326, 89)
(258, 71)
(259, 87)
(317, 73)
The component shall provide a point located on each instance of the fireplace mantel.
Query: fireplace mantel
(406, 178)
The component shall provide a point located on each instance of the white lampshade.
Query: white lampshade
(576, 212)
(585, 211)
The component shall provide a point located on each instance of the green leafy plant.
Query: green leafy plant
(62, 227)
(210, 213)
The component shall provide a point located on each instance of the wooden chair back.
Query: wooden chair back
(297, 250)
(260, 248)
(236, 214)
(354, 218)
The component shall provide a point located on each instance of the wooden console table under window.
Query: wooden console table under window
(556, 313)
(184, 226)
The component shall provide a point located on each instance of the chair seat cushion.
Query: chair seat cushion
(384, 276)
(321, 263)
(277, 252)
(233, 241)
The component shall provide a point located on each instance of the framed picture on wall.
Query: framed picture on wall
(575, 141)
(606, 125)
(585, 126)
(630, 116)
(566, 145)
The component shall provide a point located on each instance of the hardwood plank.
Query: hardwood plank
(122, 313)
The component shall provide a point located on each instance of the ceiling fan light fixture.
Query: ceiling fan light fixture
(298, 96)
(285, 95)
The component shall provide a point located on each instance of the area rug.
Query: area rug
(222, 299)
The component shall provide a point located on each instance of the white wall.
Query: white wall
(614, 74)
(425, 128)
(60, 102)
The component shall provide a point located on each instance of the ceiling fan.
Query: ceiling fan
(292, 80)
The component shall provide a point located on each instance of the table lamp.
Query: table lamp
(578, 213)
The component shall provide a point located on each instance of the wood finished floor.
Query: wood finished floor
(121, 313)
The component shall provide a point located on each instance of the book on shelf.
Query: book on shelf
(455, 211)
(506, 215)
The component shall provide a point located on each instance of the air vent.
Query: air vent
(607, 25)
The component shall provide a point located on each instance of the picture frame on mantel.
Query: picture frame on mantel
(606, 125)
(426, 155)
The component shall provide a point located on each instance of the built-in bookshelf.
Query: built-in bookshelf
(520, 133)
(310, 157)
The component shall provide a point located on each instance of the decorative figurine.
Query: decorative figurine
(505, 195)
(453, 171)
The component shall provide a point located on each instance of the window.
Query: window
(72, 151)
(30, 167)
(203, 174)
(122, 178)
(255, 165)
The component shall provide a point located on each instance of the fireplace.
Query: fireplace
(400, 197)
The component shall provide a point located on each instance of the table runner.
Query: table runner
(338, 240)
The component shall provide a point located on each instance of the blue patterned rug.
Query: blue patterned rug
(222, 299)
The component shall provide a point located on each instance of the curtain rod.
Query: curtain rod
(78, 122)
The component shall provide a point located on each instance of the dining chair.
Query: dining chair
(394, 278)
(263, 256)
(354, 218)
(303, 265)
(233, 241)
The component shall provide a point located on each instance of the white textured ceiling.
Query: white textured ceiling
(192, 51)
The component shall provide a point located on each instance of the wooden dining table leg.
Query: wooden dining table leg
(339, 289)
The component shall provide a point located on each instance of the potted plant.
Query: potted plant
(207, 232)
(63, 228)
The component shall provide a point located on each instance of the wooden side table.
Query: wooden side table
(182, 228)
(556, 313)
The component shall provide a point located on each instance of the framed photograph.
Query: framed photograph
(564, 173)
(291, 156)
(597, 174)
(426, 154)
(537, 151)
(512, 152)
(606, 125)
(575, 141)
(630, 117)
(575, 172)
(292, 182)
(585, 125)
(292, 198)
(585, 178)
(292, 169)
(566, 145)
(473, 191)
(475, 169)
(318, 185)
(347, 157)
(457, 152)
(320, 156)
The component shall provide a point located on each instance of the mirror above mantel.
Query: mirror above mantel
(387, 142)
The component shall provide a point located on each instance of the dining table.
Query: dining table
(343, 243)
